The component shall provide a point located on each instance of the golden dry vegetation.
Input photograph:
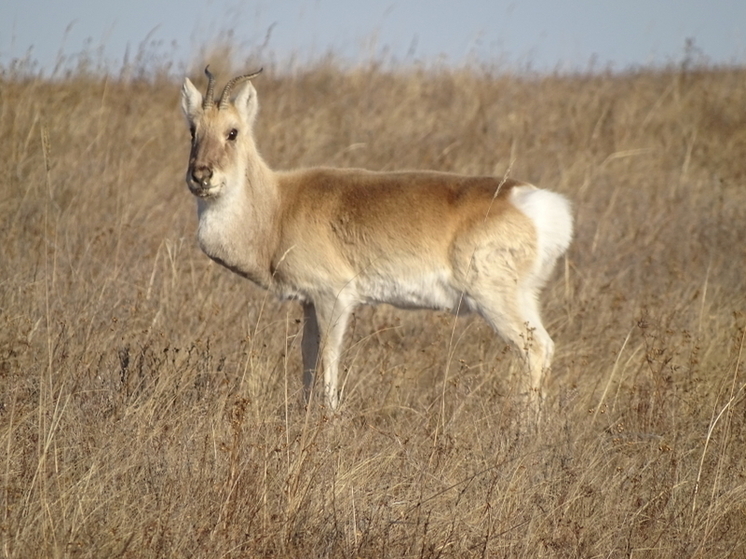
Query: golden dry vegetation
(150, 401)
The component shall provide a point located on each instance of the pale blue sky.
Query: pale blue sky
(545, 34)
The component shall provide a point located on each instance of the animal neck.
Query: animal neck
(239, 227)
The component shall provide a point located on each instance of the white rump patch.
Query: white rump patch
(551, 215)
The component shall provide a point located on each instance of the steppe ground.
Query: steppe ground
(150, 401)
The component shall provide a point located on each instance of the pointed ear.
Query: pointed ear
(246, 102)
(191, 100)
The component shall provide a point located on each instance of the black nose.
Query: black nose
(202, 175)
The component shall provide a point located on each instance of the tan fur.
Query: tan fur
(337, 238)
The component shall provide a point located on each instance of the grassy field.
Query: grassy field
(150, 401)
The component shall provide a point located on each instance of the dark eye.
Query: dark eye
(232, 134)
(192, 131)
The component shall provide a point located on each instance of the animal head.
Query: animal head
(222, 133)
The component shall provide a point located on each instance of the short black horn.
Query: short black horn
(208, 101)
(225, 97)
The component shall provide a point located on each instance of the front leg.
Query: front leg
(325, 325)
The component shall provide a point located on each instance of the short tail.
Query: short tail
(552, 217)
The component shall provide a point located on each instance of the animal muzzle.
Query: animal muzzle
(200, 179)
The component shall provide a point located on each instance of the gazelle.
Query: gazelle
(337, 238)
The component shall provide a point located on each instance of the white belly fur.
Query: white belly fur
(427, 291)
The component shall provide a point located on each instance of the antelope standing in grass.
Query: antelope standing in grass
(337, 238)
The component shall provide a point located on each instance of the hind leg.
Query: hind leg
(513, 313)
(541, 348)
(309, 348)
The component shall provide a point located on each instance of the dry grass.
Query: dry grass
(150, 400)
